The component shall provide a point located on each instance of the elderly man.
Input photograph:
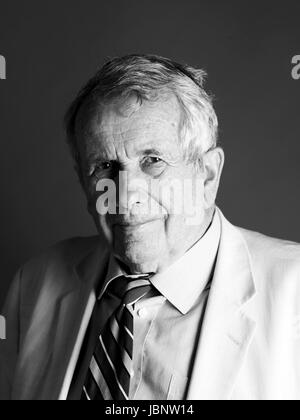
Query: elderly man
(169, 301)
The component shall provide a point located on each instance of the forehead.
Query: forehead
(127, 123)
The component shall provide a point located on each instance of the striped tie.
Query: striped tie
(111, 367)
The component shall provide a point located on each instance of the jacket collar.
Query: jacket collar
(227, 329)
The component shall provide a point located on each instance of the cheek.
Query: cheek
(195, 205)
(184, 198)
(101, 195)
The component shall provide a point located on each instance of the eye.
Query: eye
(153, 165)
(153, 160)
(106, 165)
(99, 169)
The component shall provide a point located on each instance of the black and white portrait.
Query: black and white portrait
(150, 202)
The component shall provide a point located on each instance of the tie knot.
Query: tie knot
(136, 290)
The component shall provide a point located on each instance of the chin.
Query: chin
(139, 261)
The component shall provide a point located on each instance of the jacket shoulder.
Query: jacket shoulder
(54, 267)
(273, 257)
(271, 247)
(66, 252)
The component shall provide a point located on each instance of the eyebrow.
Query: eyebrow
(152, 152)
(159, 152)
(94, 156)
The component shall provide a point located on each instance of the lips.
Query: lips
(133, 223)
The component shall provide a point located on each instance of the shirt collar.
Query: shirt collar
(183, 282)
(114, 270)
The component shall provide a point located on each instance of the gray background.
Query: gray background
(52, 49)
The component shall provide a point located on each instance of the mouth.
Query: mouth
(134, 224)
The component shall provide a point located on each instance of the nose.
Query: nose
(132, 190)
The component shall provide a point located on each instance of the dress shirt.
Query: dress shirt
(167, 323)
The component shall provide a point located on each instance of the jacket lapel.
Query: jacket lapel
(50, 342)
(227, 330)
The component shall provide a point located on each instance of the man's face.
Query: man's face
(141, 142)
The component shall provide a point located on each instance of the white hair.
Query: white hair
(149, 77)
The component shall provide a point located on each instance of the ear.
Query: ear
(213, 163)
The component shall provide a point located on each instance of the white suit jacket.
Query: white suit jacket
(249, 347)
